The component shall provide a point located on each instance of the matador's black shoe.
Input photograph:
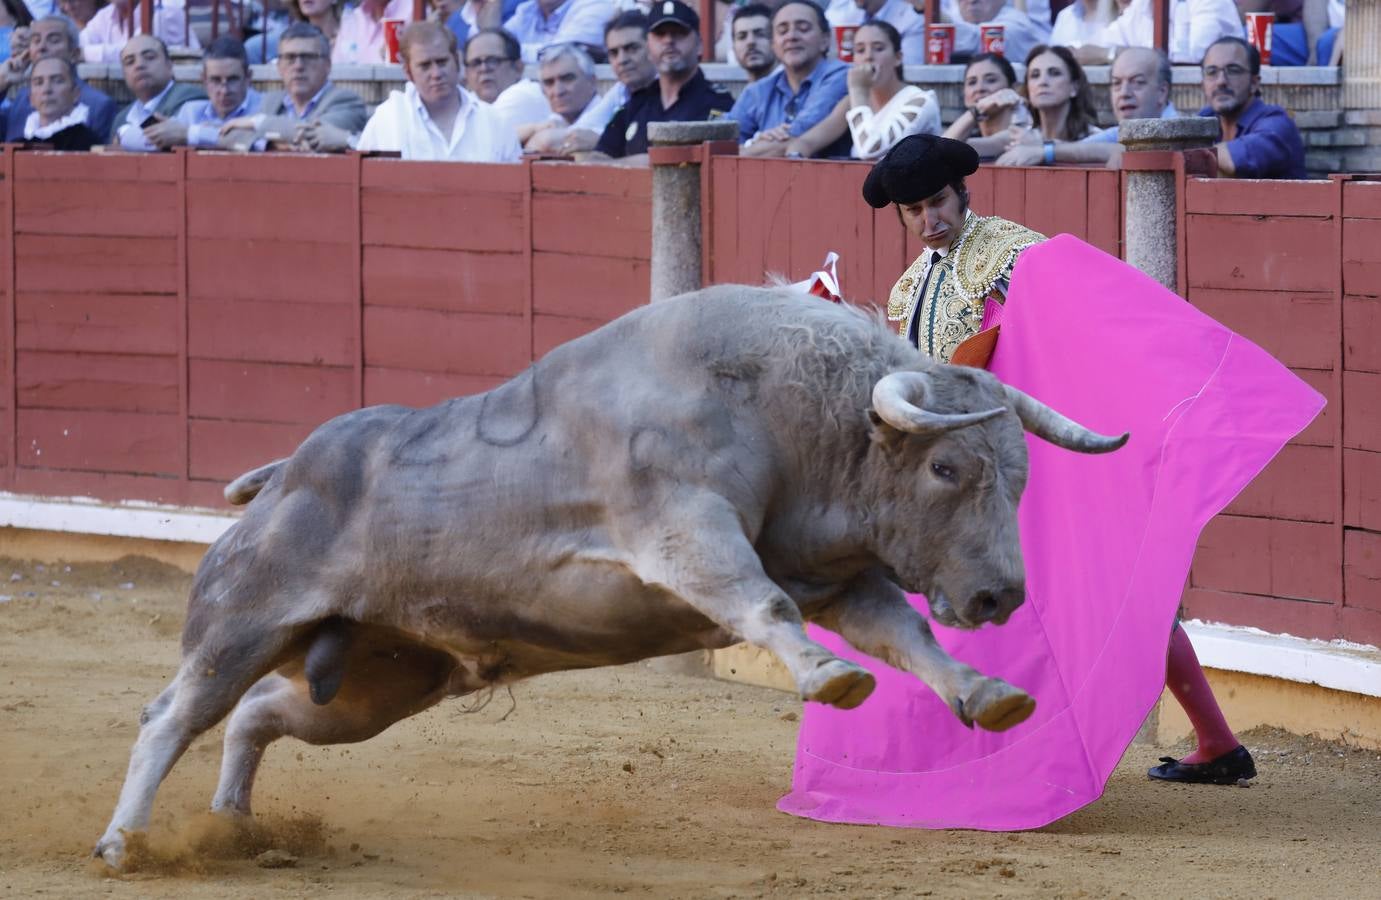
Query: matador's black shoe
(1230, 768)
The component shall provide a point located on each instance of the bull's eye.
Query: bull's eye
(942, 471)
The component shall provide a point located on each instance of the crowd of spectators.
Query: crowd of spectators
(470, 94)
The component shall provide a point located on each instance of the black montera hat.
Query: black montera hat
(918, 166)
(664, 11)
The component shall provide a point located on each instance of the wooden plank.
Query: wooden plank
(268, 392)
(1300, 484)
(1362, 257)
(574, 178)
(1225, 196)
(143, 167)
(114, 487)
(1362, 401)
(96, 265)
(982, 194)
(452, 280)
(258, 168)
(1105, 211)
(97, 323)
(1057, 202)
(723, 218)
(1322, 432)
(1361, 626)
(1282, 616)
(480, 221)
(549, 332)
(443, 177)
(223, 450)
(133, 443)
(1275, 557)
(1362, 489)
(847, 230)
(98, 381)
(778, 177)
(413, 388)
(889, 253)
(96, 208)
(1299, 329)
(303, 212)
(1362, 200)
(586, 287)
(277, 331)
(1009, 194)
(592, 224)
(1362, 334)
(1362, 569)
(457, 343)
(750, 254)
(268, 271)
(1271, 253)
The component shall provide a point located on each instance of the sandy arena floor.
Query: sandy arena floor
(622, 781)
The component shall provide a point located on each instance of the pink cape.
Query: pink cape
(1107, 542)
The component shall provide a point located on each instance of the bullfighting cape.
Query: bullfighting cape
(949, 301)
(1107, 542)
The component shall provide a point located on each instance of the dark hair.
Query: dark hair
(295, 10)
(1082, 117)
(751, 10)
(960, 190)
(893, 36)
(511, 48)
(1003, 64)
(820, 17)
(306, 31)
(629, 18)
(19, 12)
(1253, 55)
(227, 47)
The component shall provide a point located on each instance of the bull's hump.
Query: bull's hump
(509, 412)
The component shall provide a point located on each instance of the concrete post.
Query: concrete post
(676, 250)
(1362, 55)
(1151, 216)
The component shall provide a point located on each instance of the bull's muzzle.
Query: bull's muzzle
(994, 606)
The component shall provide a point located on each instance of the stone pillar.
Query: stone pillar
(675, 157)
(1151, 215)
(1362, 55)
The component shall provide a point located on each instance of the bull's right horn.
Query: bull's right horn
(892, 402)
(1045, 423)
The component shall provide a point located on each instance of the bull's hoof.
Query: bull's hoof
(839, 683)
(111, 851)
(997, 706)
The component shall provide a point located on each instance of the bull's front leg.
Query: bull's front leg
(874, 617)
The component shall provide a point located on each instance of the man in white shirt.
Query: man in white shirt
(1194, 25)
(1020, 31)
(909, 23)
(434, 118)
(567, 76)
(494, 73)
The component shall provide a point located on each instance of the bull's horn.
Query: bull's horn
(892, 402)
(1045, 423)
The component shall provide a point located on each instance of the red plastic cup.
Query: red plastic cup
(392, 28)
(1259, 28)
(991, 39)
(939, 44)
(844, 42)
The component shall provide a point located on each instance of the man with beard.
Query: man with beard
(681, 92)
(751, 31)
(1258, 140)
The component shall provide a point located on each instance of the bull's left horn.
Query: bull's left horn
(892, 402)
(1045, 423)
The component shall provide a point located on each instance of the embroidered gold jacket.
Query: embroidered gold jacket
(978, 266)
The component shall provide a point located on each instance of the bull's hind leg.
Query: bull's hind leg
(211, 679)
(378, 677)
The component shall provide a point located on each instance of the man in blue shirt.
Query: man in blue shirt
(787, 103)
(57, 36)
(225, 75)
(1259, 140)
(538, 23)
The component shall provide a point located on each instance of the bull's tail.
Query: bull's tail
(247, 486)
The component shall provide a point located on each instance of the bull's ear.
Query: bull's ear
(885, 435)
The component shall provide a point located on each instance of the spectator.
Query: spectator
(567, 76)
(449, 13)
(1258, 140)
(796, 97)
(59, 118)
(360, 38)
(310, 113)
(880, 108)
(1020, 31)
(1194, 24)
(225, 76)
(15, 69)
(992, 106)
(751, 31)
(909, 23)
(80, 12)
(681, 92)
(13, 15)
(148, 69)
(55, 36)
(326, 15)
(108, 32)
(433, 117)
(494, 73)
(1061, 103)
(1082, 22)
(537, 23)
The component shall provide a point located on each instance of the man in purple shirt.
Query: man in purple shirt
(1258, 140)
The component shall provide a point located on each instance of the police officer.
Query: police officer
(680, 93)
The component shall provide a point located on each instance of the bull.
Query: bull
(724, 466)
